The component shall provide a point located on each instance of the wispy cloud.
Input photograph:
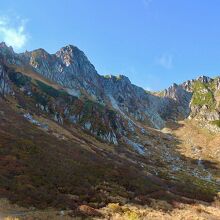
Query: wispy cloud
(148, 88)
(166, 61)
(13, 32)
(147, 2)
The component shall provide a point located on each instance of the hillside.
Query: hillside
(71, 137)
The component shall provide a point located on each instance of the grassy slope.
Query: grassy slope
(193, 136)
(37, 168)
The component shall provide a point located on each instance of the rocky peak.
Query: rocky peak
(35, 57)
(71, 54)
(181, 97)
(66, 54)
(70, 68)
(68, 49)
(7, 54)
(40, 53)
(188, 85)
(173, 91)
(76, 63)
(39, 59)
(5, 50)
(204, 79)
(3, 46)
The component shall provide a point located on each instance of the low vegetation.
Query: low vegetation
(203, 94)
(216, 123)
(39, 169)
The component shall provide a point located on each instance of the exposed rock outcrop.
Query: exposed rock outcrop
(70, 68)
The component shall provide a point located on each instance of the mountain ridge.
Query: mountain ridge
(70, 68)
(70, 136)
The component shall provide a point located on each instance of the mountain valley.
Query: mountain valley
(82, 145)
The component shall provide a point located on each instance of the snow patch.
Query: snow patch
(136, 146)
(29, 117)
(73, 92)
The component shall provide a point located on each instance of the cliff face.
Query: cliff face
(198, 99)
(4, 81)
(71, 69)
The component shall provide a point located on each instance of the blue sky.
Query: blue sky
(153, 42)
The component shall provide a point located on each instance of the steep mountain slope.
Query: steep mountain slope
(198, 99)
(69, 136)
(70, 68)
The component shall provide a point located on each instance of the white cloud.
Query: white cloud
(166, 61)
(13, 32)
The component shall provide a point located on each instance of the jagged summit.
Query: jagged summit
(6, 49)
(70, 68)
(3, 44)
(71, 54)
(39, 51)
(204, 79)
(69, 48)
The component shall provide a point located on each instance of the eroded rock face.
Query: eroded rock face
(180, 98)
(204, 114)
(4, 81)
(70, 68)
(133, 101)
